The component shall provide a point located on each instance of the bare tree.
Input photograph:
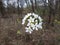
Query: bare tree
(35, 4)
(32, 5)
(2, 8)
(21, 8)
(59, 10)
(18, 6)
(7, 6)
(51, 14)
(44, 7)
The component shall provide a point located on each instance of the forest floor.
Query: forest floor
(12, 33)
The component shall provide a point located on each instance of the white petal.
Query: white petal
(29, 20)
(23, 23)
(40, 23)
(26, 30)
(28, 24)
(30, 32)
(36, 28)
(40, 27)
(36, 16)
(40, 18)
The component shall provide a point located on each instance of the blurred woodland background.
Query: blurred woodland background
(11, 30)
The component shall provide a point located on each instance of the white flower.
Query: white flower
(34, 22)
(24, 19)
(31, 25)
(28, 24)
(35, 15)
(40, 25)
(40, 19)
(31, 19)
(28, 29)
(36, 27)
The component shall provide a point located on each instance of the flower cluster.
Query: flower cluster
(34, 22)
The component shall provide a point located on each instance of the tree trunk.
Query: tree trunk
(51, 12)
(1, 8)
(18, 6)
(32, 5)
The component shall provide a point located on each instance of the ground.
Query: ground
(12, 33)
